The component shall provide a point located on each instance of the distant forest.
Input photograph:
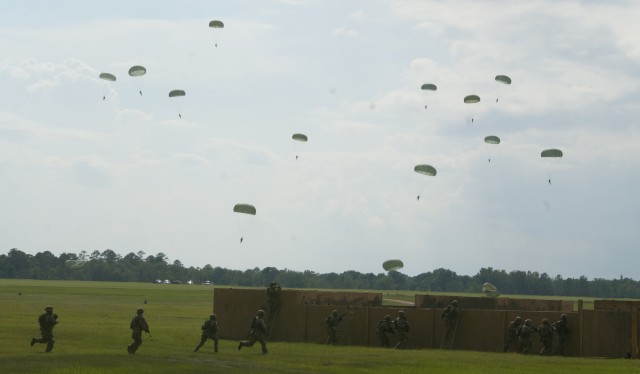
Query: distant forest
(139, 267)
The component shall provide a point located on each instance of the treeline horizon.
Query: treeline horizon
(140, 267)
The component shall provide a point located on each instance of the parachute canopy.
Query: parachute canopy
(245, 208)
(74, 264)
(176, 93)
(108, 77)
(215, 24)
(391, 265)
(471, 99)
(299, 137)
(425, 169)
(137, 71)
(552, 152)
(429, 87)
(503, 79)
(488, 287)
(492, 139)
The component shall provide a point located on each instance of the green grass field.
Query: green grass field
(94, 331)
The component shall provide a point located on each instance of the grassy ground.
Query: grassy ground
(94, 331)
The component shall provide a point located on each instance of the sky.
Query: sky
(79, 173)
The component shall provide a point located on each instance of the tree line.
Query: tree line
(139, 267)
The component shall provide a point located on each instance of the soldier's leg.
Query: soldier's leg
(203, 339)
(50, 344)
(215, 344)
(263, 343)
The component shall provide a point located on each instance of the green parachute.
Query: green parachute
(74, 264)
(551, 152)
(428, 87)
(503, 79)
(299, 137)
(425, 169)
(492, 139)
(137, 71)
(392, 265)
(216, 26)
(108, 77)
(471, 99)
(177, 93)
(245, 209)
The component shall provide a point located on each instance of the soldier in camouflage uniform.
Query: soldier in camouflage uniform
(331, 323)
(257, 332)
(401, 325)
(384, 327)
(450, 315)
(209, 331)
(545, 331)
(273, 300)
(138, 324)
(512, 336)
(47, 321)
(525, 334)
(562, 329)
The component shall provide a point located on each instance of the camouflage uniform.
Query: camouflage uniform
(331, 323)
(545, 331)
(384, 326)
(525, 333)
(401, 325)
(258, 332)
(562, 328)
(47, 321)
(273, 300)
(209, 331)
(450, 315)
(512, 336)
(138, 324)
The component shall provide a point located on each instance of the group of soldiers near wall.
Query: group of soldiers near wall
(520, 335)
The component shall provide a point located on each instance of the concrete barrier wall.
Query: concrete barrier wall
(594, 333)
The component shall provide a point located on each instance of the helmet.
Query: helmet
(335, 312)
(261, 313)
(213, 316)
(527, 322)
(545, 321)
(518, 319)
(454, 302)
(401, 312)
(139, 310)
(563, 316)
(48, 308)
(387, 317)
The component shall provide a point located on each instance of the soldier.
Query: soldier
(545, 331)
(257, 332)
(384, 326)
(562, 329)
(450, 315)
(512, 336)
(401, 325)
(209, 331)
(331, 323)
(47, 321)
(138, 324)
(525, 333)
(273, 300)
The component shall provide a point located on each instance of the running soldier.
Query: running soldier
(273, 300)
(450, 315)
(47, 321)
(545, 331)
(525, 334)
(209, 331)
(138, 324)
(257, 333)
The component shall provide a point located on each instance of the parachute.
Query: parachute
(392, 265)
(490, 290)
(177, 93)
(471, 99)
(137, 71)
(492, 139)
(216, 25)
(245, 208)
(74, 264)
(428, 87)
(552, 152)
(108, 77)
(503, 79)
(299, 137)
(425, 169)
(241, 222)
